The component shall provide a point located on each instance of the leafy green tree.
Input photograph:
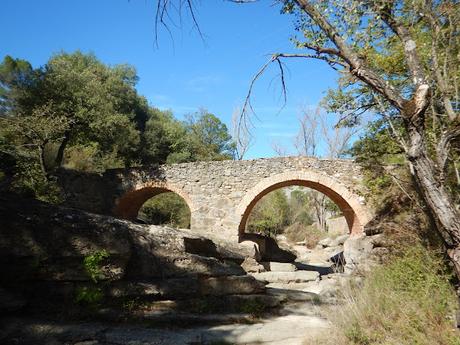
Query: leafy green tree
(398, 59)
(208, 137)
(271, 214)
(97, 103)
(301, 204)
(166, 208)
(16, 76)
(165, 139)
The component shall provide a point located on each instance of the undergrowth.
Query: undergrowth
(407, 301)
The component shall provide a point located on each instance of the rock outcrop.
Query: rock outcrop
(43, 250)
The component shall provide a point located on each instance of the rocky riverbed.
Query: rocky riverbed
(71, 277)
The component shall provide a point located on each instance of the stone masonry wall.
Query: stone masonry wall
(220, 194)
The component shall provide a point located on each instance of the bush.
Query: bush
(93, 262)
(409, 301)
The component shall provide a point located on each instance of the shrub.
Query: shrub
(92, 264)
(409, 301)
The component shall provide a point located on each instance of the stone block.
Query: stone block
(232, 285)
(279, 266)
(287, 277)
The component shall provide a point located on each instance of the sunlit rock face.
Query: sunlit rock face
(220, 194)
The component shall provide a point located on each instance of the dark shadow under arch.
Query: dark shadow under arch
(129, 204)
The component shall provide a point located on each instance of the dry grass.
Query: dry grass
(298, 232)
(408, 301)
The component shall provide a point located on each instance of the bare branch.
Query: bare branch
(356, 65)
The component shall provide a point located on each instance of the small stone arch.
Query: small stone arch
(352, 206)
(128, 205)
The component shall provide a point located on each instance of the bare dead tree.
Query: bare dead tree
(315, 131)
(279, 149)
(241, 135)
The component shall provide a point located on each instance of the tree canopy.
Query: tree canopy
(77, 112)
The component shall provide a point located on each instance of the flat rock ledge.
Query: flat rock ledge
(287, 277)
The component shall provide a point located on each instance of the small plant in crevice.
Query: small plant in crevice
(92, 295)
(132, 304)
(89, 295)
(92, 264)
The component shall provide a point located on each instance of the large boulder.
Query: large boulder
(250, 265)
(362, 252)
(268, 249)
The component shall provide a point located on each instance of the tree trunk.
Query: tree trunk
(60, 153)
(435, 196)
(41, 155)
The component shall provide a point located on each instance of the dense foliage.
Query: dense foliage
(291, 211)
(76, 112)
(166, 208)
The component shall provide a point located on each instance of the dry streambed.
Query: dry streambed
(159, 285)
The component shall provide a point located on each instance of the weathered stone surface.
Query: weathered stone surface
(339, 240)
(325, 242)
(291, 292)
(46, 246)
(267, 249)
(279, 266)
(286, 277)
(231, 285)
(268, 301)
(337, 225)
(358, 252)
(250, 265)
(333, 242)
(220, 194)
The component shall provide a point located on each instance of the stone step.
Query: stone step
(287, 277)
(319, 287)
(294, 295)
(322, 268)
(213, 310)
(166, 318)
(310, 287)
(279, 266)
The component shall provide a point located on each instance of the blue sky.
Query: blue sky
(184, 73)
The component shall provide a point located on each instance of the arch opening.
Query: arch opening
(166, 208)
(354, 223)
(155, 204)
(298, 213)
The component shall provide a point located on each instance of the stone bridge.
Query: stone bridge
(220, 194)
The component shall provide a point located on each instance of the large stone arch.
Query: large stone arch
(128, 205)
(351, 205)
